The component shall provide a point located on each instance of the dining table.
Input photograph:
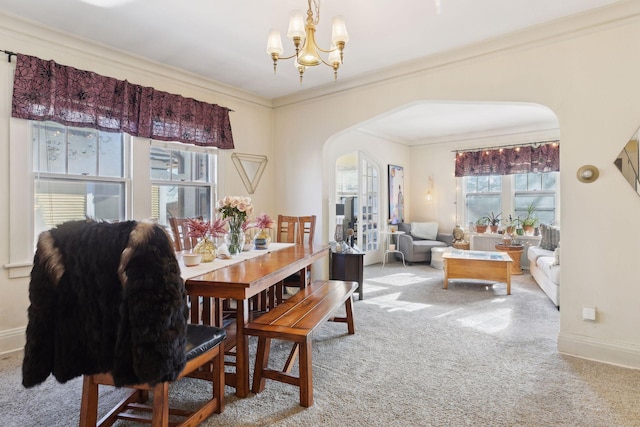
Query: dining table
(239, 282)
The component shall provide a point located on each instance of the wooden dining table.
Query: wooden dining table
(240, 282)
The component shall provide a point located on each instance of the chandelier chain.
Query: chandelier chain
(316, 12)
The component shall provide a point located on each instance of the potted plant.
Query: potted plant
(530, 221)
(481, 224)
(509, 225)
(493, 221)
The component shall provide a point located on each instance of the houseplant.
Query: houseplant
(530, 220)
(481, 224)
(493, 221)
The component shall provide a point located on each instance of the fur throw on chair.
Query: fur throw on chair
(105, 298)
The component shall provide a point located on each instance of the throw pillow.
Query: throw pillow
(556, 255)
(550, 237)
(425, 230)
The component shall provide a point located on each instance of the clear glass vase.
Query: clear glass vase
(207, 248)
(262, 239)
(235, 237)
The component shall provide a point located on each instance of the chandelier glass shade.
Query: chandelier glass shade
(302, 34)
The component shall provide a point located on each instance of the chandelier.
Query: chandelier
(302, 34)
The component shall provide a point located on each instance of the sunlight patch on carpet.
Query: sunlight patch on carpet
(400, 279)
(391, 303)
(489, 322)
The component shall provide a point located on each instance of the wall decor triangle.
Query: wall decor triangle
(250, 168)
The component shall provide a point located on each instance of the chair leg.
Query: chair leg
(351, 326)
(306, 374)
(160, 416)
(89, 403)
(262, 362)
(218, 378)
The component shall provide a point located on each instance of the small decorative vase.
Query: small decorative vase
(206, 248)
(248, 243)
(262, 239)
(235, 237)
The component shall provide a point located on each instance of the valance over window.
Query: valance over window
(506, 161)
(45, 90)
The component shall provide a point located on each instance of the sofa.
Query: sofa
(544, 263)
(418, 240)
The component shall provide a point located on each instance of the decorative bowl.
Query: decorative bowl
(191, 260)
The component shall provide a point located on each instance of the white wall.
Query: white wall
(251, 124)
(589, 78)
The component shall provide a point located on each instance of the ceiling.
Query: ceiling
(226, 40)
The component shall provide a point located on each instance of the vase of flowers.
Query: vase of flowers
(235, 210)
(263, 237)
(205, 232)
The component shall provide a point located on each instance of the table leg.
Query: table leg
(242, 349)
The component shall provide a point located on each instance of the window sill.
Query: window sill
(17, 270)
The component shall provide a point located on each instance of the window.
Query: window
(79, 173)
(483, 195)
(538, 189)
(181, 181)
(511, 195)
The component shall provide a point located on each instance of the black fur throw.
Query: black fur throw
(105, 298)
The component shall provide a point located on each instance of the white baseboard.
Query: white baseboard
(12, 340)
(614, 353)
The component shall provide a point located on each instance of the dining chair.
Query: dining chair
(108, 303)
(303, 233)
(287, 229)
(181, 240)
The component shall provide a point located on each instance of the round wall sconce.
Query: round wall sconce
(588, 174)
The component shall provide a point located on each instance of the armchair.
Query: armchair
(416, 246)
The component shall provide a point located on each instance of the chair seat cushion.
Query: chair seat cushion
(425, 246)
(202, 338)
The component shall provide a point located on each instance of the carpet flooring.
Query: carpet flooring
(421, 356)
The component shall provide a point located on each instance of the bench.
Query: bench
(295, 320)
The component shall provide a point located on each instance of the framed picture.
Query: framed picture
(396, 195)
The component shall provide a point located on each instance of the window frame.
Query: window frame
(508, 197)
(136, 179)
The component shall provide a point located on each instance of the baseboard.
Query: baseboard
(613, 353)
(12, 340)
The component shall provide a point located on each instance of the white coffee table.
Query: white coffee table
(483, 265)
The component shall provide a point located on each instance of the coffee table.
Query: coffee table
(483, 265)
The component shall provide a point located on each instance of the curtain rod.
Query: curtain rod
(8, 53)
(526, 144)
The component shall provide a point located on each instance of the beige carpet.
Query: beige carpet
(421, 356)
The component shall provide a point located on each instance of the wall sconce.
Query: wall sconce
(587, 174)
(428, 196)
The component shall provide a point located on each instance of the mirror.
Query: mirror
(250, 168)
(628, 161)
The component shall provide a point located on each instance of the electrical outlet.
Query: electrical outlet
(589, 313)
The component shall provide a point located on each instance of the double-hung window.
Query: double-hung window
(182, 181)
(78, 173)
(511, 195)
(85, 173)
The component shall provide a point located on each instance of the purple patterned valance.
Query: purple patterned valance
(45, 90)
(506, 161)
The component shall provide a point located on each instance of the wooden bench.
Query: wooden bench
(295, 320)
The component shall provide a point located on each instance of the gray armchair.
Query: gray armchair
(416, 249)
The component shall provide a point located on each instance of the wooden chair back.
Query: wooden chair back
(181, 241)
(287, 229)
(306, 228)
(296, 229)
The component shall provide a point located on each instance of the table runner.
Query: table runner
(206, 267)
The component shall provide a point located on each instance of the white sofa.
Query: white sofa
(544, 266)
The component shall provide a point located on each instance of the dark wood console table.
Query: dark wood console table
(349, 267)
